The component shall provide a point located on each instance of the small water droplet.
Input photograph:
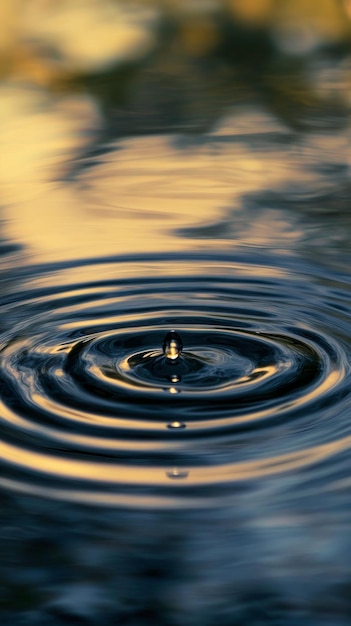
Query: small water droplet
(175, 378)
(173, 390)
(176, 425)
(177, 473)
(172, 346)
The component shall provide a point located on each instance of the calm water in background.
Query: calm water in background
(193, 176)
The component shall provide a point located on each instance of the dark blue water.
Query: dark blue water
(175, 327)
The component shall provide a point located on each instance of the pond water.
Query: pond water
(175, 326)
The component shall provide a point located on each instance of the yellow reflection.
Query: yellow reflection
(252, 11)
(81, 470)
(117, 33)
(135, 199)
(150, 188)
(120, 474)
(104, 499)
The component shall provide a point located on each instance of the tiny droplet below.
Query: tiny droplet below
(173, 390)
(177, 473)
(175, 378)
(176, 425)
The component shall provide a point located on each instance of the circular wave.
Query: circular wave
(94, 408)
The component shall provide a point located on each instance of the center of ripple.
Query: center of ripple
(197, 367)
(214, 361)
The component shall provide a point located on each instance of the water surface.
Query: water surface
(139, 485)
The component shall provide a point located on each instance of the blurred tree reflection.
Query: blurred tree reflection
(163, 65)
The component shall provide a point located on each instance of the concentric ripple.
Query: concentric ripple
(100, 404)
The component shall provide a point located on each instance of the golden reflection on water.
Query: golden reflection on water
(131, 203)
(117, 473)
(148, 189)
(32, 31)
(121, 30)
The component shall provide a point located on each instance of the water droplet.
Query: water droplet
(173, 390)
(177, 473)
(172, 346)
(175, 378)
(176, 425)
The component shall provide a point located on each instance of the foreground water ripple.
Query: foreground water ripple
(98, 405)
